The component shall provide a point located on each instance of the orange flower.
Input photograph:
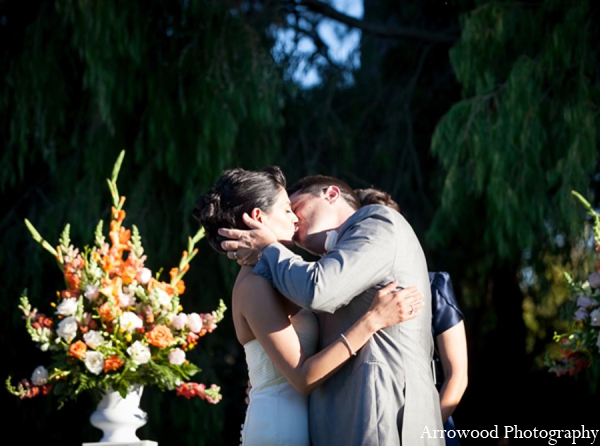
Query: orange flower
(112, 363)
(107, 312)
(119, 236)
(180, 287)
(78, 350)
(66, 294)
(161, 286)
(160, 336)
(118, 216)
(190, 341)
(112, 287)
(131, 267)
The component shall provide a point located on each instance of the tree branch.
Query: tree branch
(396, 32)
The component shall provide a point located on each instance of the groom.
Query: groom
(385, 395)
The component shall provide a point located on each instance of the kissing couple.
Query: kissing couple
(352, 329)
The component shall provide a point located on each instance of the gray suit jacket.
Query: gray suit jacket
(384, 396)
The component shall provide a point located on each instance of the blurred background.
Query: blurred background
(479, 117)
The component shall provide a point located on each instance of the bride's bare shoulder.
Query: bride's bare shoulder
(252, 286)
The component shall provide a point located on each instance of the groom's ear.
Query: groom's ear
(256, 214)
(332, 194)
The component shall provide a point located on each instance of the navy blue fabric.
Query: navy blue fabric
(445, 314)
(453, 439)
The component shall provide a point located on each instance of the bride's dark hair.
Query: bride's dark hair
(235, 192)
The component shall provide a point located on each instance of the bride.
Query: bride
(280, 339)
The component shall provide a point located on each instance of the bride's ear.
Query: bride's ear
(256, 214)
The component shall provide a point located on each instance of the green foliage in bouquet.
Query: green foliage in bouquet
(115, 325)
(580, 344)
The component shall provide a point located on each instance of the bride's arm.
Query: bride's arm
(265, 314)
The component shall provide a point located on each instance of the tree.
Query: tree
(520, 139)
(187, 89)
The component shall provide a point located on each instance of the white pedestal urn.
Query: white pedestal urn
(118, 418)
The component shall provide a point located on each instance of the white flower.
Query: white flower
(130, 321)
(177, 356)
(330, 240)
(595, 316)
(93, 339)
(67, 307)
(144, 276)
(94, 361)
(163, 298)
(179, 321)
(194, 322)
(67, 329)
(39, 377)
(91, 292)
(139, 353)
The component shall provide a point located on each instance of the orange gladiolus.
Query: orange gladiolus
(118, 216)
(160, 336)
(111, 287)
(161, 286)
(78, 349)
(106, 312)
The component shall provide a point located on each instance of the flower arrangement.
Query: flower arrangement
(580, 344)
(115, 325)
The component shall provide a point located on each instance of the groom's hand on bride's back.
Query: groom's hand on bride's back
(245, 245)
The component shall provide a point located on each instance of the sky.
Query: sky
(343, 43)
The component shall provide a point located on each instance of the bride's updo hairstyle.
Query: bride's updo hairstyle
(237, 191)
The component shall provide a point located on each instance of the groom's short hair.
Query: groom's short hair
(315, 184)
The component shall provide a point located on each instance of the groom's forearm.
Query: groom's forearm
(322, 286)
(288, 273)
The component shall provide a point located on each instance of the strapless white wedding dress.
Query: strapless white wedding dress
(277, 414)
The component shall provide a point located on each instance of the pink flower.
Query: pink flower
(144, 276)
(213, 396)
(126, 299)
(194, 322)
(180, 321)
(176, 356)
(91, 292)
(209, 322)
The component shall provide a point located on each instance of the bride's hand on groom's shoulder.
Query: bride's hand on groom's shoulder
(392, 305)
(245, 245)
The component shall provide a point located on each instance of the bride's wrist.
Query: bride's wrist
(372, 322)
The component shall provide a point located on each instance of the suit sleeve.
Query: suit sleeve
(362, 258)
